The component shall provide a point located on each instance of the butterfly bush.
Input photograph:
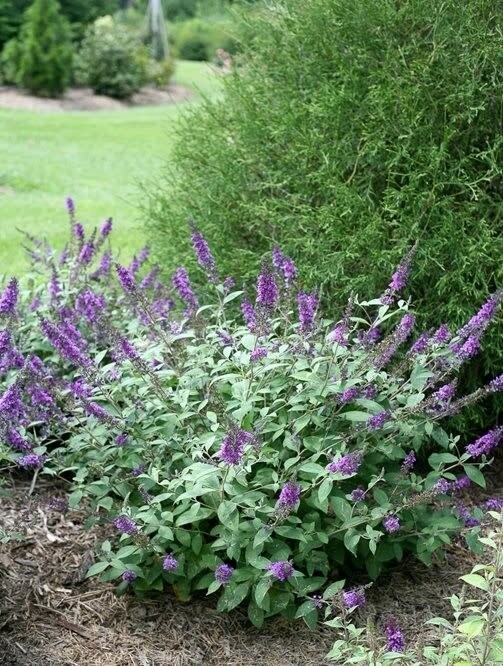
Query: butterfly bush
(237, 442)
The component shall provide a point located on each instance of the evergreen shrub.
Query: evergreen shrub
(44, 50)
(349, 131)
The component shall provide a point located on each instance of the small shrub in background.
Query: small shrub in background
(41, 60)
(348, 133)
(10, 59)
(234, 443)
(111, 60)
(199, 38)
(161, 73)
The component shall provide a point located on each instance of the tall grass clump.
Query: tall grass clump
(346, 132)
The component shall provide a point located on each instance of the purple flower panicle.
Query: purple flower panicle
(485, 444)
(233, 445)
(378, 420)
(8, 299)
(307, 305)
(289, 495)
(182, 285)
(125, 525)
(31, 461)
(223, 573)
(347, 465)
(395, 641)
(267, 289)
(169, 562)
(408, 462)
(203, 254)
(258, 353)
(358, 494)
(391, 524)
(354, 598)
(282, 570)
(129, 576)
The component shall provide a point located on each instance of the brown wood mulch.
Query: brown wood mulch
(49, 616)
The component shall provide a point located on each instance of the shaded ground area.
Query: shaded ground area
(83, 99)
(51, 616)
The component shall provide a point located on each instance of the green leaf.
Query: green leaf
(342, 508)
(233, 596)
(475, 475)
(304, 609)
(333, 589)
(475, 580)
(351, 539)
(437, 460)
(260, 593)
(312, 468)
(262, 535)
(97, 568)
(74, 498)
(255, 614)
(357, 417)
(228, 515)
(325, 489)
(472, 628)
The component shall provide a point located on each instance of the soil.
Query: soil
(51, 615)
(83, 99)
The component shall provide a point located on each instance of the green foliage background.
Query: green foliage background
(347, 132)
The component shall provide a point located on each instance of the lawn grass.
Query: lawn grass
(99, 158)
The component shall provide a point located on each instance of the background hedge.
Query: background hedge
(348, 132)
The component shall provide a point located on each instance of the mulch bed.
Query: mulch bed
(83, 99)
(51, 616)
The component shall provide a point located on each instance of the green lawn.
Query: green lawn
(99, 158)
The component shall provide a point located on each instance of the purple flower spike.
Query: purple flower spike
(121, 440)
(267, 290)
(106, 228)
(349, 394)
(182, 285)
(441, 335)
(70, 206)
(496, 385)
(129, 576)
(289, 495)
(485, 444)
(87, 252)
(421, 344)
(258, 353)
(78, 232)
(126, 279)
(233, 445)
(378, 420)
(493, 504)
(307, 305)
(8, 300)
(137, 470)
(408, 462)
(169, 563)
(125, 525)
(248, 315)
(347, 465)
(223, 573)
(354, 598)
(399, 277)
(391, 524)
(203, 254)
(395, 641)
(339, 335)
(445, 393)
(282, 570)
(31, 461)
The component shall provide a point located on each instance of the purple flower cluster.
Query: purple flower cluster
(354, 598)
(129, 576)
(282, 570)
(169, 562)
(121, 439)
(445, 393)
(395, 641)
(289, 495)
(307, 305)
(70, 206)
(90, 305)
(223, 573)
(248, 315)
(399, 277)
(267, 289)
(86, 253)
(358, 494)
(284, 266)
(233, 445)
(126, 278)
(391, 524)
(485, 444)
(378, 420)
(493, 504)
(182, 285)
(465, 515)
(106, 228)
(8, 299)
(339, 335)
(203, 254)
(349, 394)
(226, 339)
(31, 461)
(125, 525)
(442, 486)
(258, 353)
(347, 465)
(408, 462)
(496, 385)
